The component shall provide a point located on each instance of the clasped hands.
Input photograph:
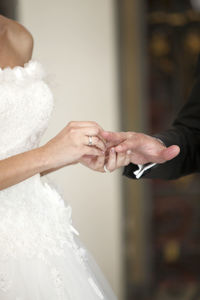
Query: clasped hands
(121, 148)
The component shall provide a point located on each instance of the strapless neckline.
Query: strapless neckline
(31, 69)
(26, 65)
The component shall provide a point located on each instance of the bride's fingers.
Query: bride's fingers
(117, 160)
(123, 159)
(112, 159)
(89, 131)
(99, 164)
(88, 150)
(92, 131)
(102, 139)
(85, 124)
(95, 142)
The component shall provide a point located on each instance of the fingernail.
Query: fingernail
(112, 150)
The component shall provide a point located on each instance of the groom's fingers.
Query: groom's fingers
(125, 146)
(113, 138)
(146, 146)
(111, 163)
(165, 155)
(123, 159)
(170, 152)
(122, 141)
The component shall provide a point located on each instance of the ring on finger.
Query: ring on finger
(90, 142)
(105, 169)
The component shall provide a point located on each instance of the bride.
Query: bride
(40, 255)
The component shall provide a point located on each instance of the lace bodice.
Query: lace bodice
(26, 104)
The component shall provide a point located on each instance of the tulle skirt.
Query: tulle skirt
(41, 256)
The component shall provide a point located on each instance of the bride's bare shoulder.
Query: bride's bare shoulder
(14, 30)
(15, 38)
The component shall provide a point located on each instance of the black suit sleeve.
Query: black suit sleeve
(185, 132)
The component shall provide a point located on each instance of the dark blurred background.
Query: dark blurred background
(168, 34)
(8, 8)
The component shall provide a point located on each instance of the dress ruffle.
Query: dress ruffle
(31, 70)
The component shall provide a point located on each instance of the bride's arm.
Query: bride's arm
(66, 148)
(22, 166)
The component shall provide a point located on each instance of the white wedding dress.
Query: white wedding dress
(40, 255)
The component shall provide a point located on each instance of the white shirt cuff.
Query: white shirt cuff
(142, 168)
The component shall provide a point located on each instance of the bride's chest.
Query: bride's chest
(24, 107)
(24, 114)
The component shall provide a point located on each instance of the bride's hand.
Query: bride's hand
(95, 163)
(72, 143)
(108, 163)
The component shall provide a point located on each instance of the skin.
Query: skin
(124, 148)
(67, 147)
(16, 44)
(136, 148)
(70, 146)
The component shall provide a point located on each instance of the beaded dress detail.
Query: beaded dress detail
(41, 257)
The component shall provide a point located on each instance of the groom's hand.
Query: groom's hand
(137, 148)
(129, 147)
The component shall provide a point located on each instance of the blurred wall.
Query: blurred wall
(76, 42)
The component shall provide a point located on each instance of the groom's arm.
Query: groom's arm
(186, 162)
(183, 137)
(185, 133)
